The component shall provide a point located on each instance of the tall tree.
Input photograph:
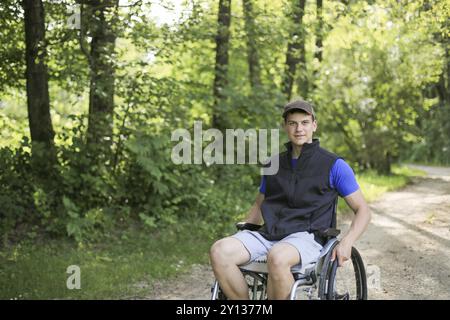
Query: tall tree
(252, 48)
(101, 15)
(38, 101)
(318, 50)
(319, 30)
(295, 54)
(221, 65)
(434, 123)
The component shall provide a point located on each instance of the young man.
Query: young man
(294, 204)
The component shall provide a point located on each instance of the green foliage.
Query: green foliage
(375, 92)
(374, 185)
(164, 193)
(370, 91)
(12, 50)
(124, 267)
(86, 226)
(67, 64)
(16, 184)
(381, 93)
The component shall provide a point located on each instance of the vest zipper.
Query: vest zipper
(293, 190)
(294, 183)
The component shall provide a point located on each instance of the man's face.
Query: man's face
(300, 127)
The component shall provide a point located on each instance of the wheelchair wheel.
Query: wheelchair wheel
(343, 283)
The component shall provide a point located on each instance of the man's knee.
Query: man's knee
(276, 260)
(282, 258)
(218, 250)
(228, 251)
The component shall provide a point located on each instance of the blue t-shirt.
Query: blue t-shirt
(342, 178)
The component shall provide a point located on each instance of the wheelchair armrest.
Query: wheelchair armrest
(330, 233)
(247, 226)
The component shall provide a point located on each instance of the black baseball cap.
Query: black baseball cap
(299, 105)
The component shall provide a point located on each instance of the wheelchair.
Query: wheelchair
(319, 280)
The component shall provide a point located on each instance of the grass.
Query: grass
(117, 269)
(374, 185)
(125, 266)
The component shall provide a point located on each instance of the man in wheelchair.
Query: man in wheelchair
(297, 208)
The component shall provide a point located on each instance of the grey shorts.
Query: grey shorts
(257, 245)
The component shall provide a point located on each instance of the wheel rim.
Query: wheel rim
(349, 281)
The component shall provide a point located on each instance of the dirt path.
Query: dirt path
(406, 248)
(409, 239)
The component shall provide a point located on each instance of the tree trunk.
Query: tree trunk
(221, 66)
(295, 52)
(318, 51)
(319, 31)
(38, 101)
(444, 96)
(386, 168)
(252, 51)
(101, 61)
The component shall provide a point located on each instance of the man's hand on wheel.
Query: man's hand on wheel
(343, 251)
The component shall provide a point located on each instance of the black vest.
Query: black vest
(301, 198)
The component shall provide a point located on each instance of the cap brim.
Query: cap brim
(297, 108)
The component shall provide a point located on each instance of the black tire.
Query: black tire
(329, 286)
(350, 284)
(324, 273)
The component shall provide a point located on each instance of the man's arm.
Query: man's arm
(359, 224)
(254, 215)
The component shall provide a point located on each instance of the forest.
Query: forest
(92, 91)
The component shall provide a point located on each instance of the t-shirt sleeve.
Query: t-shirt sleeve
(262, 186)
(342, 178)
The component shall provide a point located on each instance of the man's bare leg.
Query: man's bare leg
(280, 259)
(226, 254)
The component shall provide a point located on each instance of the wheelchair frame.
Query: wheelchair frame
(320, 275)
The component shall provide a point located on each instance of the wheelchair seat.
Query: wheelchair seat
(260, 264)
